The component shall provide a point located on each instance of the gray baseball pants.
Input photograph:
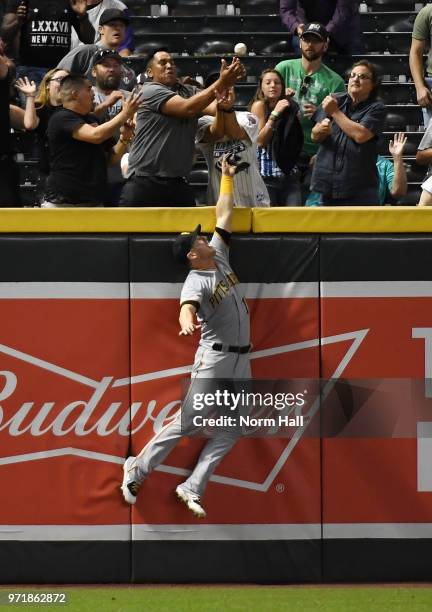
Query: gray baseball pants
(208, 364)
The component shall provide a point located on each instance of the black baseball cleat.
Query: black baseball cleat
(192, 501)
(130, 486)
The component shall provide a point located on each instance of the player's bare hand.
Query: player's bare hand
(329, 105)
(397, 145)
(290, 92)
(300, 29)
(188, 329)
(424, 96)
(79, 7)
(25, 86)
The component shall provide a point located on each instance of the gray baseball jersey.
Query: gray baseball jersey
(223, 312)
(224, 317)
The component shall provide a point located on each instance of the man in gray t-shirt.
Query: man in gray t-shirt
(162, 153)
(112, 30)
(211, 300)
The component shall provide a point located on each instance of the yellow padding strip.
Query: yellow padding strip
(126, 220)
(342, 219)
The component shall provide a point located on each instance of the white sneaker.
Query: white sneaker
(192, 501)
(130, 486)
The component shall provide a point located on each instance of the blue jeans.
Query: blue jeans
(427, 110)
(284, 190)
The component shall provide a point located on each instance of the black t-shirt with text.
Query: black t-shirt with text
(46, 33)
(78, 170)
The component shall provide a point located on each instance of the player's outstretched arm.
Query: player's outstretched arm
(225, 203)
(187, 320)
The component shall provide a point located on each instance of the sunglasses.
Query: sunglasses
(58, 79)
(305, 84)
(362, 77)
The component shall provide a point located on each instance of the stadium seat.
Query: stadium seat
(213, 47)
(403, 25)
(280, 46)
(199, 176)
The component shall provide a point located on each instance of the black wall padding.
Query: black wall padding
(375, 257)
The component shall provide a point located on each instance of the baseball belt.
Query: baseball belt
(229, 348)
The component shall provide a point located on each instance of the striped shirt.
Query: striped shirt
(266, 164)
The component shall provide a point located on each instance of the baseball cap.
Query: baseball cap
(103, 54)
(316, 29)
(183, 244)
(113, 15)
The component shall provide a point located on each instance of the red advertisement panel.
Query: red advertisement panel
(379, 480)
(64, 424)
(261, 481)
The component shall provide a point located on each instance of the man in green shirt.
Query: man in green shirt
(421, 39)
(309, 81)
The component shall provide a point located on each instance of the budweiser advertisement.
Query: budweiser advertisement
(91, 367)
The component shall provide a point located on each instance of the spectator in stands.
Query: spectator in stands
(38, 32)
(421, 39)
(80, 147)
(48, 102)
(392, 177)
(24, 119)
(309, 80)
(9, 178)
(112, 30)
(348, 126)
(340, 17)
(232, 135)
(109, 98)
(269, 103)
(163, 149)
(392, 174)
(39, 109)
(95, 8)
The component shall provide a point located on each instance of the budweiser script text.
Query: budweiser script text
(78, 417)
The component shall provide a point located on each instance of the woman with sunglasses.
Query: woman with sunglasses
(47, 103)
(268, 104)
(348, 127)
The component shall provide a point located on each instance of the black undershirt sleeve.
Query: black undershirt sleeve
(226, 236)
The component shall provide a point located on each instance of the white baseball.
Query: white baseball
(240, 49)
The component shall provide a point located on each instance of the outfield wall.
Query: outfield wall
(89, 349)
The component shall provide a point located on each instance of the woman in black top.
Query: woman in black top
(47, 103)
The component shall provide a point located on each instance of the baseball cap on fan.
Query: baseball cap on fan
(103, 54)
(315, 29)
(183, 244)
(113, 15)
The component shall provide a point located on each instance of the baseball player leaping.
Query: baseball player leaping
(211, 300)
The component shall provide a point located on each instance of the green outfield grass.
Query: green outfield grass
(233, 598)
